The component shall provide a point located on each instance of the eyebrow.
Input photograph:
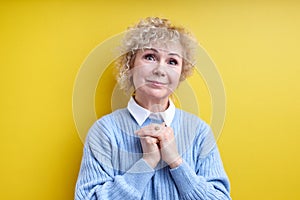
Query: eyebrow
(170, 54)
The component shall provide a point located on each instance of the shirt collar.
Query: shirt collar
(140, 114)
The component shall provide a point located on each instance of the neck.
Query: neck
(153, 105)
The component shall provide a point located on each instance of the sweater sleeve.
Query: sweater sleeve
(208, 180)
(96, 178)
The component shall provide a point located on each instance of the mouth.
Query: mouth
(156, 83)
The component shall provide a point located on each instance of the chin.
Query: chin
(158, 94)
(155, 93)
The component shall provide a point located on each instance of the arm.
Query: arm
(208, 179)
(210, 182)
(97, 179)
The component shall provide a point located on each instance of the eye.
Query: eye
(173, 61)
(150, 57)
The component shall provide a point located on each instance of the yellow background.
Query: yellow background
(255, 45)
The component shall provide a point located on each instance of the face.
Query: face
(156, 71)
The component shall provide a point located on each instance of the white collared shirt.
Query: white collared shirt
(140, 114)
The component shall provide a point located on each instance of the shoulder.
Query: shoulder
(114, 117)
(107, 124)
(197, 130)
(190, 120)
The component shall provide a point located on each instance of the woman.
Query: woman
(152, 150)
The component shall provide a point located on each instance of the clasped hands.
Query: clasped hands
(158, 142)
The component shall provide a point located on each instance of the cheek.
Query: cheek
(134, 78)
(175, 74)
(138, 75)
(174, 77)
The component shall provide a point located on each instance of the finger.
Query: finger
(149, 127)
(146, 132)
(157, 127)
(152, 133)
(145, 128)
(149, 134)
(150, 140)
(150, 130)
(164, 124)
(170, 130)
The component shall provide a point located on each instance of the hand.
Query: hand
(168, 147)
(167, 143)
(151, 153)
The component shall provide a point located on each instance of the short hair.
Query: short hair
(143, 34)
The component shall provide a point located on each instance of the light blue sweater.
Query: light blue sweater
(113, 168)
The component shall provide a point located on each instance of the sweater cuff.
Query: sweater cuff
(185, 178)
(139, 175)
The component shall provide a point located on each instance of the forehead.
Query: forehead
(167, 47)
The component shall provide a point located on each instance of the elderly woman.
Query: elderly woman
(152, 150)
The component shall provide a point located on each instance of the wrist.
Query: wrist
(176, 163)
(150, 162)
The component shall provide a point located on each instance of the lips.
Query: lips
(156, 83)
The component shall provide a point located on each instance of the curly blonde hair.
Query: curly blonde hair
(145, 33)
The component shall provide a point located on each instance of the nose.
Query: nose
(159, 71)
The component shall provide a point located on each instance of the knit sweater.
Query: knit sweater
(113, 168)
